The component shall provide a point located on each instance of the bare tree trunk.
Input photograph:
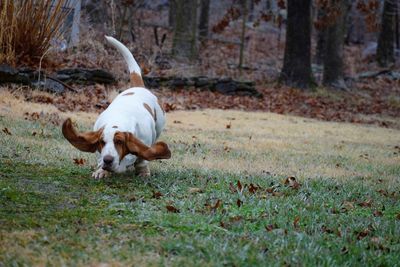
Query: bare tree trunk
(172, 13)
(397, 29)
(185, 40)
(204, 18)
(333, 75)
(385, 50)
(321, 38)
(296, 69)
(243, 34)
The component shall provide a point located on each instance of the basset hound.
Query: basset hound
(124, 135)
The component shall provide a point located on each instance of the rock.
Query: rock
(85, 76)
(231, 87)
(50, 86)
(10, 75)
(201, 81)
(177, 82)
(223, 85)
(151, 82)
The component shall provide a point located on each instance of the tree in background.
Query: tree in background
(385, 50)
(204, 18)
(296, 69)
(171, 13)
(321, 38)
(333, 75)
(184, 44)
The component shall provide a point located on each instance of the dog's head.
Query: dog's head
(113, 145)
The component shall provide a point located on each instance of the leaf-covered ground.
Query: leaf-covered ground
(242, 189)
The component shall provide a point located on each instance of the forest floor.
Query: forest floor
(242, 188)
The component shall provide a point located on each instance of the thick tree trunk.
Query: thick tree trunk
(333, 75)
(321, 38)
(172, 13)
(184, 44)
(385, 50)
(296, 69)
(204, 18)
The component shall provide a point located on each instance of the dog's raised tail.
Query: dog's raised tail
(134, 69)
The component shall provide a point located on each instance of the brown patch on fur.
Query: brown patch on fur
(161, 105)
(131, 93)
(100, 145)
(150, 110)
(136, 80)
(120, 144)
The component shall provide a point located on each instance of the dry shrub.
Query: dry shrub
(27, 28)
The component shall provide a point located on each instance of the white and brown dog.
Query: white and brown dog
(124, 135)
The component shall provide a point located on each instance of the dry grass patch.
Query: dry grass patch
(286, 145)
(253, 142)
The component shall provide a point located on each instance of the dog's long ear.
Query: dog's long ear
(159, 150)
(86, 142)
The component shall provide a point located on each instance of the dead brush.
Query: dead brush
(28, 27)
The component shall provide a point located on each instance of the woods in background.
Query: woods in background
(306, 31)
(330, 21)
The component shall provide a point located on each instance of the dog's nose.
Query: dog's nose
(108, 160)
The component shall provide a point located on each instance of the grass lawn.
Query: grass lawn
(223, 198)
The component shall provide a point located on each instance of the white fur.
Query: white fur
(128, 113)
(130, 60)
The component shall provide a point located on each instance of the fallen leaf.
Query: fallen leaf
(169, 107)
(325, 229)
(79, 162)
(296, 222)
(157, 194)
(236, 219)
(193, 190)
(365, 204)
(6, 131)
(228, 126)
(383, 192)
(215, 206)
(362, 234)
(346, 206)
(271, 227)
(239, 202)
(398, 216)
(171, 208)
(344, 250)
(177, 122)
(232, 188)
(292, 182)
(377, 213)
(34, 133)
(239, 185)
(270, 190)
(253, 188)
(132, 199)
(277, 194)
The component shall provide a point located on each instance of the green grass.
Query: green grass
(52, 212)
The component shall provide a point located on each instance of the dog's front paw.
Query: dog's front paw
(100, 174)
